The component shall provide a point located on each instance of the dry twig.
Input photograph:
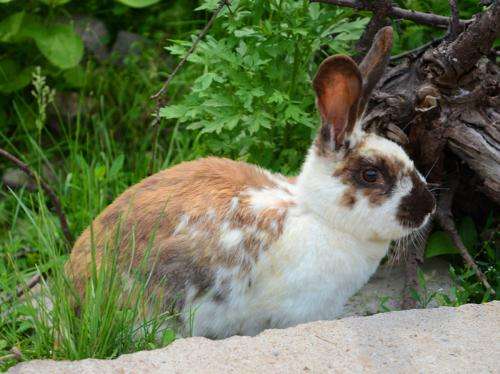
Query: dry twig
(398, 13)
(200, 36)
(15, 354)
(21, 290)
(46, 188)
(445, 218)
(454, 20)
(378, 20)
(414, 53)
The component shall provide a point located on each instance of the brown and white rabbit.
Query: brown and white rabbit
(249, 250)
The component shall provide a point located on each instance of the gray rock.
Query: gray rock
(67, 104)
(16, 178)
(440, 340)
(95, 36)
(126, 44)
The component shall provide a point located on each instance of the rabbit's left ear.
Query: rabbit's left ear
(338, 85)
(373, 65)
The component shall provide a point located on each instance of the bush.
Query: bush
(251, 95)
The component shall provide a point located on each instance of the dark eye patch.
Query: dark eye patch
(353, 173)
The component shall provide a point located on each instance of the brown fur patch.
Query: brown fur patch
(351, 173)
(348, 199)
(146, 215)
(416, 205)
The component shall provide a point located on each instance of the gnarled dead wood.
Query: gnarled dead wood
(428, 19)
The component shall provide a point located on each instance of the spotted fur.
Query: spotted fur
(246, 249)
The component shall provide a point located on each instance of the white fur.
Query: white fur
(325, 253)
(233, 205)
(306, 275)
(267, 198)
(182, 225)
(230, 238)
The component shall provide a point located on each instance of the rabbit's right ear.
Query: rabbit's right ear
(338, 85)
(373, 65)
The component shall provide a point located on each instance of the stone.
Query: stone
(440, 340)
(95, 36)
(126, 44)
(15, 178)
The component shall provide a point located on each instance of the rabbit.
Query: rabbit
(243, 249)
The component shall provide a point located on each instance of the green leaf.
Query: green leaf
(60, 45)
(208, 5)
(75, 77)
(116, 166)
(421, 279)
(439, 243)
(415, 295)
(246, 31)
(173, 111)
(100, 172)
(30, 28)
(203, 82)
(468, 233)
(12, 77)
(20, 26)
(5, 1)
(54, 3)
(168, 337)
(138, 3)
(10, 27)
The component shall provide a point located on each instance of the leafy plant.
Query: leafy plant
(382, 305)
(48, 30)
(251, 97)
(139, 3)
(425, 296)
(484, 248)
(439, 242)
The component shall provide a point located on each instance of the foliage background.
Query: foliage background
(84, 123)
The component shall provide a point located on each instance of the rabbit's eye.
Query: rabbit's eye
(370, 175)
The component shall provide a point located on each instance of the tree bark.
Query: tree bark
(447, 101)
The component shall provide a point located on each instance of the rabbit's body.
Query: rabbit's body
(240, 249)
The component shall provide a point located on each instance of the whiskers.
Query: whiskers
(435, 188)
(400, 248)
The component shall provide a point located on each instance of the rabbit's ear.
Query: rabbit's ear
(373, 65)
(338, 86)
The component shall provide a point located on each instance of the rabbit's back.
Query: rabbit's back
(193, 220)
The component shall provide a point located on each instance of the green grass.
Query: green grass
(108, 145)
(93, 158)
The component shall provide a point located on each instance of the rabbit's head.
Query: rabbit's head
(359, 182)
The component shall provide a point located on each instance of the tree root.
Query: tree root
(445, 218)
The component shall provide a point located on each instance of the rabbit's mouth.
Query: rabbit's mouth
(417, 206)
